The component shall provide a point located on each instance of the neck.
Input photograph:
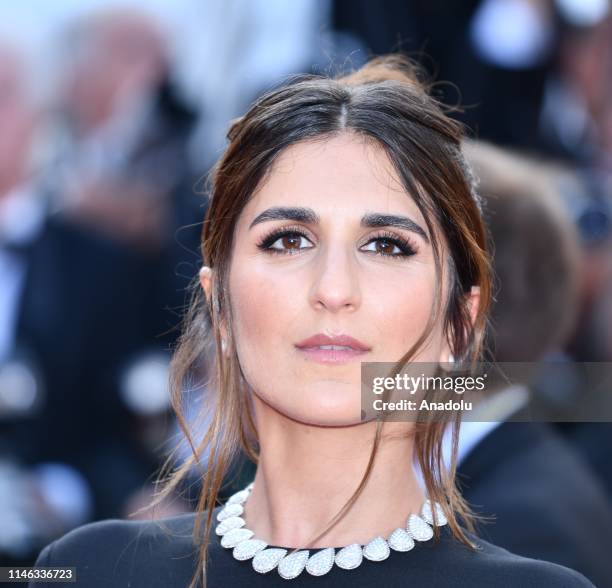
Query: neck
(307, 473)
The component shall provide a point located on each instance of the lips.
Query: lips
(322, 340)
(332, 349)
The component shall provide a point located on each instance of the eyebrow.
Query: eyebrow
(309, 216)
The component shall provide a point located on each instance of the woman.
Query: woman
(343, 227)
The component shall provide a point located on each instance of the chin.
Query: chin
(328, 408)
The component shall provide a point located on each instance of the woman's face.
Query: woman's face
(329, 245)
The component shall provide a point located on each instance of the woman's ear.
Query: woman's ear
(205, 281)
(473, 302)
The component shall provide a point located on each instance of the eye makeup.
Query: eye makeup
(404, 246)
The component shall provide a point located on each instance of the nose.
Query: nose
(335, 281)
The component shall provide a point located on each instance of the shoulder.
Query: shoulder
(493, 565)
(127, 553)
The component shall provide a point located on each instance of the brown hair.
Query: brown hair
(385, 102)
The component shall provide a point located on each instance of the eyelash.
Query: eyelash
(405, 246)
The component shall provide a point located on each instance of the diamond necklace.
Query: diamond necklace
(235, 536)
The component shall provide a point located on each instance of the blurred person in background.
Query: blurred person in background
(545, 501)
(72, 335)
(123, 168)
(590, 339)
(577, 102)
(594, 440)
(118, 160)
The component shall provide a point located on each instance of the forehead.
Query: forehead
(342, 175)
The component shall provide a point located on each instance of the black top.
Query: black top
(138, 554)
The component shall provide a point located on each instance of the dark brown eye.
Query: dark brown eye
(291, 242)
(385, 247)
(389, 246)
(285, 241)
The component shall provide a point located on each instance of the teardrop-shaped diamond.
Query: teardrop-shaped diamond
(321, 562)
(230, 510)
(235, 536)
(377, 549)
(427, 515)
(229, 524)
(400, 540)
(349, 557)
(292, 565)
(247, 549)
(238, 498)
(418, 528)
(268, 559)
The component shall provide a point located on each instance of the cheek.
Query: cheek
(400, 308)
(263, 307)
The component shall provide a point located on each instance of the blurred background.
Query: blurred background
(112, 112)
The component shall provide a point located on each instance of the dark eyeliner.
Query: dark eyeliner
(405, 246)
(266, 242)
